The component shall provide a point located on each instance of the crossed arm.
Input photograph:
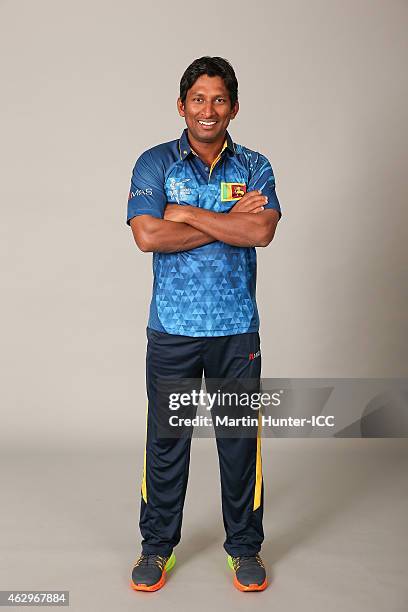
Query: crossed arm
(183, 228)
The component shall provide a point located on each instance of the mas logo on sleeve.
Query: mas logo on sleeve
(148, 191)
(232, 191)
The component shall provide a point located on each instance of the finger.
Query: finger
(254, 203)
(252, 194)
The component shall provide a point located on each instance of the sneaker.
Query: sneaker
(149, 572)
(249, 571)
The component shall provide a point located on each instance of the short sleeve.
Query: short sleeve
(262, 178)
(146, 195)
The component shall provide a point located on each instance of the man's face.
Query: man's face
(207, 109)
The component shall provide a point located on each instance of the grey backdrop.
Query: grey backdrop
(86, 87)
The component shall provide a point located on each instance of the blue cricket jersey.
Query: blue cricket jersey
(209, 290)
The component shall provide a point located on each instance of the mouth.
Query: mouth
(207, 125)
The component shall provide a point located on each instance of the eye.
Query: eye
(221, 100)
(197, 99)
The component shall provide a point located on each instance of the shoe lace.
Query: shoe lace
(238, 562)
(146, 560)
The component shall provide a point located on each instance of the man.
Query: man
(202, 204)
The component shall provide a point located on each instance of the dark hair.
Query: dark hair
(212, 66)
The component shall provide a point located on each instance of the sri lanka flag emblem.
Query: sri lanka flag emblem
(232, 191)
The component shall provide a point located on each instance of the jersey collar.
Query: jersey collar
(185, 149)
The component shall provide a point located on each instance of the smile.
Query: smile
(207, 123)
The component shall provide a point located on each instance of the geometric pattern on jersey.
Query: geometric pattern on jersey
(211, 296)
(209, 290)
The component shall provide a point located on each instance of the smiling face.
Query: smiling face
(207, 109)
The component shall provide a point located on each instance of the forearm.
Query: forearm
(160, 235)
(176, 237)
(238, 229)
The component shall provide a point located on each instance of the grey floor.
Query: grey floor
(335, 524)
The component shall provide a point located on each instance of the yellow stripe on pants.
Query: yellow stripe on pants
(144, 489)
(258, 474)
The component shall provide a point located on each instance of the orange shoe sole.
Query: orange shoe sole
(153, 587)
(250, 587)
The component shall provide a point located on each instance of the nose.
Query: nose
(208, 110)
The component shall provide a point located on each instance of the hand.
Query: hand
(252, 201)
(175, 212)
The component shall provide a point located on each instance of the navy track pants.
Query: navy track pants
(166, 461)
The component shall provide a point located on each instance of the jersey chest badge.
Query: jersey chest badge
(232, 191)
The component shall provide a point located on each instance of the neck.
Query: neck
(207, 151)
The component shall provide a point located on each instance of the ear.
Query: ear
(234, 110)
(180, 107)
